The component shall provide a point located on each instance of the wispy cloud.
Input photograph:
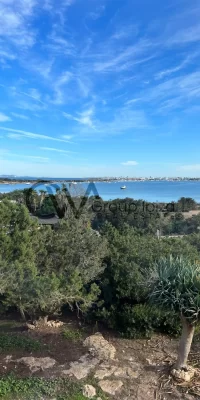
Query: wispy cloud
(15, 22)
(125, 32)
(20, 116)
(59, 88)
(97, 13)
(56, 150)
(32, 135)
(175, 92)
(178, 67)
(129, 163)
(185, 36)
(33, 94)
(4, 117)
(59, 45)
(67, 137)
(84, 118)
(124, 59)
(6, 153)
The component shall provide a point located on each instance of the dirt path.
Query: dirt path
(146, 362)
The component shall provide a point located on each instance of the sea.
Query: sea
(152, 191)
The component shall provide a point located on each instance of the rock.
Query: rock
(100, 347)
(89, 391)
(30, 326)
(54, 324)
(183, 375)
(110, 387)
(126, 373)
(41, 322)
(81, 369)
(8, 359)
(120, 372)
(35, 364)
(104, 371)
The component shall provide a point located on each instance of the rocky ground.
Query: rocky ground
(89, 364)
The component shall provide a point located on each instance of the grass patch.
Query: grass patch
(71, 334)
(34, 388)
(6, 325)
(10, 341)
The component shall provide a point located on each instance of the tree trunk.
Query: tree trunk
(21, 310)
(185, 344)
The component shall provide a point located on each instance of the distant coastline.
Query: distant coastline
(28, 181)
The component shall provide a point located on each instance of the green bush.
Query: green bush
(29, 388)
(10, 342)
(142, 320)
(71, 334)
(33, 388)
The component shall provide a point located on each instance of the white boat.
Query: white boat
(123, 187)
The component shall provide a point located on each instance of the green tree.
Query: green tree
(176, 286)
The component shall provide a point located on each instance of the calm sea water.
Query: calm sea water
(149, 191)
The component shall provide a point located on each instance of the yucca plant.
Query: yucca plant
(176, 286)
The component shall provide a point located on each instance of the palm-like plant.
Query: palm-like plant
(177, 287)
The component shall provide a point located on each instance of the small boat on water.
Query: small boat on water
(123, 187)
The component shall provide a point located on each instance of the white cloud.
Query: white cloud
(179, 67)
(125, 32)
(32, 93)
(20, 116)
(56, 150)
(84, 118)
(60, 46)
(31, 135)
(60, 92)
(97, 13)
(115, 60)
(129, 163)
(6, 153)
(84, 87)
(4, 117)
(15, 21)
(67, 137)
(14, 136)
(184, 36)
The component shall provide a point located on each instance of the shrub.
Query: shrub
(142, 320)
(9, 342)
(73, 335)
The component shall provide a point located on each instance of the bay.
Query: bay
(161, 191)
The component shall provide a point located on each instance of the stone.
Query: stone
(54, 324)
(30, 326)
(8, 359)
(183, 375)
(110, 387)
(89, 391)
(104, 372)
(81, 369)
(126, 373)
(36, 364)
(100, 347)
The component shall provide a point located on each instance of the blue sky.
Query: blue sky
(99, 87)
